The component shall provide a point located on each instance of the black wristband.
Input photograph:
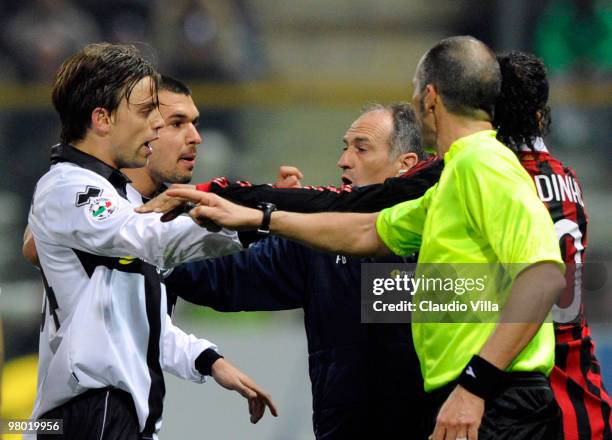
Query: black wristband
(205, 360)
(268, 209)
(482, 378)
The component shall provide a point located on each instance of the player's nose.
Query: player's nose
(345, 160)
(193, 135)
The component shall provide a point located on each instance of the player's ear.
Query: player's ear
(406, 161)
(430, 98)
(100, 121)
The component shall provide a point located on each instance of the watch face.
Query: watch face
(266, 205)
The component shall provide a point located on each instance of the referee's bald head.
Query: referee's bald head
(465, 73)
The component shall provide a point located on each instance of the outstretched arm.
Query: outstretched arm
(270, 275)
(104, 223)
(346, 233)
(370, 198)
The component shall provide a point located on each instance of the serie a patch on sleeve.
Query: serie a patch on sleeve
(98, 207)
(101, 208)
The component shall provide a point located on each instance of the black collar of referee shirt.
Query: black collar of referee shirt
(67, 153)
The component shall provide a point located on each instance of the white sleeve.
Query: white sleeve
(199, 244)
(104, 223)
(180, 352)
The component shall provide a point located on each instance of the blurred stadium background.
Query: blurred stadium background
(278, 82)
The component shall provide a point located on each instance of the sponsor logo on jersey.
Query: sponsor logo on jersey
(84, 197)
(470, 372)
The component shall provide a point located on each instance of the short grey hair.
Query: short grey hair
(406, 134)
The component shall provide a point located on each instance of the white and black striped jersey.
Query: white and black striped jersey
(104, 314)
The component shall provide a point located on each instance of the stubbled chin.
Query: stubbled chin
(183, 178)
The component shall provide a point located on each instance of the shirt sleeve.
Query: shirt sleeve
(180, 352)
(370, 198)
(270, 275)
(401, 226)
(505, 209)
(83, 211)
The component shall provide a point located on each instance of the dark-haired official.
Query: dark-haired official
(485, 380)
(105, 335)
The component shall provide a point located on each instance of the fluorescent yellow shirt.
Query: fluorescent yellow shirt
(483, 210)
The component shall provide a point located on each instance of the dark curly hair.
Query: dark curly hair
(521, 112)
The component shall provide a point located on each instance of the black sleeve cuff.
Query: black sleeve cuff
(204, 361)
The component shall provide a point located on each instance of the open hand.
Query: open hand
(222, 212)
(231, 378)
(171, 207)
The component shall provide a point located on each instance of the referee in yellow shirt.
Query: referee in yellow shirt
(486, 380)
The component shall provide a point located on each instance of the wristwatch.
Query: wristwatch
(268, 209)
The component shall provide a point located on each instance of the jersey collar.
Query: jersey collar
(538, 147)
(67, 153)
(464, 142)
